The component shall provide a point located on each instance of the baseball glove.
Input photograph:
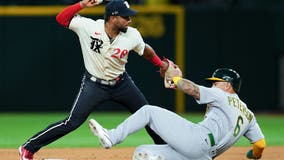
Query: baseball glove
(172, 70)
(169, 66)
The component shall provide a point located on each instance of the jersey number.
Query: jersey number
(237, 130)
(119, 53)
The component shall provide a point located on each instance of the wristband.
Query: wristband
(156, 61)
(176, 79)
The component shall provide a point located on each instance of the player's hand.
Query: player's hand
(171, 71)
(250, 155)
(90, 3)
(168, 83)
(166, 66)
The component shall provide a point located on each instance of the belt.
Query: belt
(112, 82)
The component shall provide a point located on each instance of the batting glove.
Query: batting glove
(250, 155)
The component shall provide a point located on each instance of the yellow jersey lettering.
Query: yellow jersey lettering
(237, 103)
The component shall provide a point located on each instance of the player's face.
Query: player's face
(122, 23)
(222, 85)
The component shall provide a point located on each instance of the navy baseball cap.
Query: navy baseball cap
(119, 8)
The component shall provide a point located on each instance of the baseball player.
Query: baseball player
(227, 119)
(106, 44)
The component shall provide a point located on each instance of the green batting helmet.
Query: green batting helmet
(226, 75)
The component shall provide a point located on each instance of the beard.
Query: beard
(123, 29)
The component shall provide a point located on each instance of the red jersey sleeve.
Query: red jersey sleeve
(65, 16)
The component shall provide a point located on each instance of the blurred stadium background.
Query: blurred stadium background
(41, 65)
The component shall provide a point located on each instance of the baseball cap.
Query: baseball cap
(119, 8)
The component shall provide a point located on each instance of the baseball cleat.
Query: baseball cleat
(25, 154)
(101, 133)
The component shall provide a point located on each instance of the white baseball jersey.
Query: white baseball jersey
(228, 118)
(102, 58)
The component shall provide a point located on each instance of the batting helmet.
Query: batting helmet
(226, 75)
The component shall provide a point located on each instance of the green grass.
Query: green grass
(16, 128)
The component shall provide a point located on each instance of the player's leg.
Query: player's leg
(129, 95)
(156, 152)
(89, 95)
(182, 135)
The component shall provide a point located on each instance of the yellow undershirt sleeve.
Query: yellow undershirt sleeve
(258, 148)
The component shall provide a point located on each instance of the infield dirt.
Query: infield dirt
(235, 153)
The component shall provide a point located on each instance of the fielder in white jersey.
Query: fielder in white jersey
(227, 119)
(112, 54)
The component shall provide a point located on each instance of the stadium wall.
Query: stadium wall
(41, 64)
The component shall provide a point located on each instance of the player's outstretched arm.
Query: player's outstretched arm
(150, 55)
(173, 79)
(187, 87)
(65, 16)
